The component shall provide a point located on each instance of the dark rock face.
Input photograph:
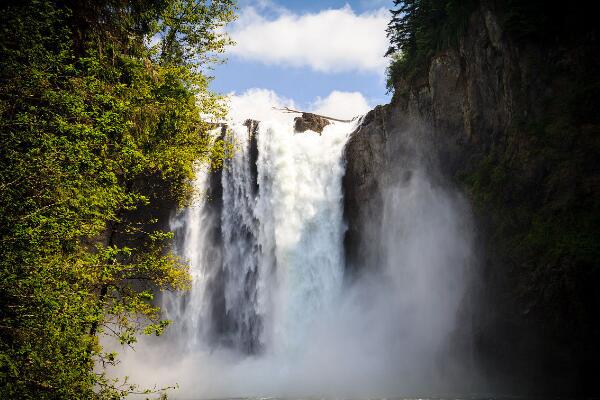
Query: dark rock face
(311, 122)
(252, 126)
(474, 107)
(365, 156)
(367, 171)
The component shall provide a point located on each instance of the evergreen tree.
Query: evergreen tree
(420, 28)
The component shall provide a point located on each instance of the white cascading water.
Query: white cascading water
(270, 314)
(241, 266)
(300, 212)
(280, 263)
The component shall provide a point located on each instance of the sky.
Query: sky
(316, 55)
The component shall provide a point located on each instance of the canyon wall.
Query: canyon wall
(511, 122)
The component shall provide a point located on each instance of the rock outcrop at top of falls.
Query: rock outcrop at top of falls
(309, 121)
(514, 123)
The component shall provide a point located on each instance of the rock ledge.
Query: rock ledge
(311, 122)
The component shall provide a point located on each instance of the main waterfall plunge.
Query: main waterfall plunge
(266, 256)
(273, 310)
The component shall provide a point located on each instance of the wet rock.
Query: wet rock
(310, 122)
(252, 126)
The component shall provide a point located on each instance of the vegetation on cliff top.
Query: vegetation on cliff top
(420, 28)
(97, 98)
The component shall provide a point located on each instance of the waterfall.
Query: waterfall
(271, 313)
(266, 258)
(242, 258)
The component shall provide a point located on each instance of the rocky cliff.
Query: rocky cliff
(512, 122)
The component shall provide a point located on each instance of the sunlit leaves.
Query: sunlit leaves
(96, 125)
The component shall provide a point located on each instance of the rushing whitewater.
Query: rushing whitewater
(299, 207)
(270, 312)
(279, 263)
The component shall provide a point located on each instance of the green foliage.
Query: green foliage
(420, 28)
(90, 113)
(548, 22)
(538, 188)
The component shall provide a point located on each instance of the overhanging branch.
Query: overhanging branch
(290, 110)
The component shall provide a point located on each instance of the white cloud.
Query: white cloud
(332, 40)
(258, 104)
(345, 105)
